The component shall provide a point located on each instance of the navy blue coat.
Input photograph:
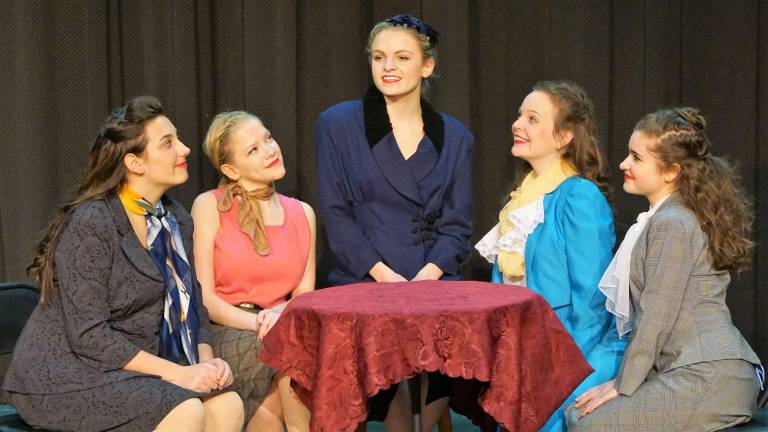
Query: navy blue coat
(378, 206)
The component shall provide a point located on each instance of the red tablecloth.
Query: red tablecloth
(340, 345)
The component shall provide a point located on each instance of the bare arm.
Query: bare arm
(206, 218)
(268, 317)
(202, 377)
(307, 282)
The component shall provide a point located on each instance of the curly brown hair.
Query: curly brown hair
(708, 185)
(576, 113)
(122, 133)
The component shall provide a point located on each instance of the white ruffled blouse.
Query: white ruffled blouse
(524, 219)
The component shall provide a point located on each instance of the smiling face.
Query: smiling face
(163, 163)
(643, 174)
(398, 64)
(254, 158)
(533, 133)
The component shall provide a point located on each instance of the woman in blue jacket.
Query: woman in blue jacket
(555, 235)
(395, 180)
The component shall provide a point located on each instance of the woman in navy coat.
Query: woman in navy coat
(395, 177)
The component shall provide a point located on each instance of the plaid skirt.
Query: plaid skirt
(241, 348)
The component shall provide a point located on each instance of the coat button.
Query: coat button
(416, 242)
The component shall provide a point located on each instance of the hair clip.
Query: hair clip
(118, 114)
(680, 121)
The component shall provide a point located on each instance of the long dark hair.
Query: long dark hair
(708, 185)
(122, 133)
(576, 113)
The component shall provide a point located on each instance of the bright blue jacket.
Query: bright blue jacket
(565, 257)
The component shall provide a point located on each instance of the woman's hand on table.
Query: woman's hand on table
(429, 272)
(595, 397)
(224, 375)
(266, 320)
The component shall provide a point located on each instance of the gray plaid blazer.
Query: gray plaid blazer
(679, 301)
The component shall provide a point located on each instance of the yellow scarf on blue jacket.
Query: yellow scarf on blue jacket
(533, 187)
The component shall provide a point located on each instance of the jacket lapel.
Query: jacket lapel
(378, 132)
(129, 243)
(395, 168)
(637, 260)
(426, 157)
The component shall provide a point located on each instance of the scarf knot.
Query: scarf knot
(249, 215)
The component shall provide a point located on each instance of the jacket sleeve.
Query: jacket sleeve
(668, 265)
(452, 233)
(589, 238)
(205, 335)
(346, 238)
(83, 269)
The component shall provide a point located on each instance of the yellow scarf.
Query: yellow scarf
(133, 201)
(512, 264)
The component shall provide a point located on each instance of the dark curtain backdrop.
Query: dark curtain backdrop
(64, 64)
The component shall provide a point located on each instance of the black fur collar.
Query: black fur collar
(377, 124)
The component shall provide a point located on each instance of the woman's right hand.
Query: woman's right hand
(200, 378)
(382, 273)
(595, 397)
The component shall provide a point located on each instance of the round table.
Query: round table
(341, 345)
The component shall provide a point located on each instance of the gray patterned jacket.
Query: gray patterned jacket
(679, 300)
(108, 305)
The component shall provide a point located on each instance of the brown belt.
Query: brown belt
(250, 307)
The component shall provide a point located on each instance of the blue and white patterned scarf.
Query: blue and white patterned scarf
(180, 326)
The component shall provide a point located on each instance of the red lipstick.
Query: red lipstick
(273, 163)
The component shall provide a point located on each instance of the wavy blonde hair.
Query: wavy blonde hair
(216, 144)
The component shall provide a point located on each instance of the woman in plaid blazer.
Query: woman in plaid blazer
(687, 368)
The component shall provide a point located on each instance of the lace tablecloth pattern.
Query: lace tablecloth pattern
(341, 345)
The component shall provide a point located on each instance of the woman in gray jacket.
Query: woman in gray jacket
(121, 339)
(687, 368)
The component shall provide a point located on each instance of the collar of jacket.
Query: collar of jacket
(674, 199)
(377, 124)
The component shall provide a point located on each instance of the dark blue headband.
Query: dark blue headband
(433, 36)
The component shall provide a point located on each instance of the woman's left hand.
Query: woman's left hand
(595, 397)
(428, 272)
(224, 375)
(266, 318)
